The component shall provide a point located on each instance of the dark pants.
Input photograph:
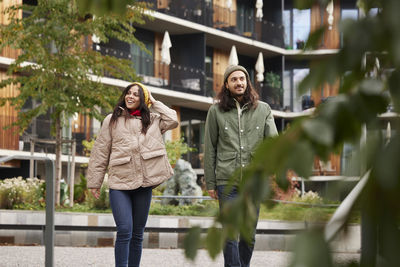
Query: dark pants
(130, 209)
(236, 254)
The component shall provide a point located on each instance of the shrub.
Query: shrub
(309, 197)
(177, 148)
(80, 190)
(17, 192)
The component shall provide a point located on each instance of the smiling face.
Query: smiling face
(237, 84)
(132, 98)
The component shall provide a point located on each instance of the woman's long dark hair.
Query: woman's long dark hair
(121, 107)
(226, 101)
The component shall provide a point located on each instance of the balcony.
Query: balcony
(225, 19)
(174, 77)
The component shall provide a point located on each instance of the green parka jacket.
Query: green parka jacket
(231, 138)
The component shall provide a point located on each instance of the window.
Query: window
(292, 99)
(143, 62)
(209, 72)
(192, 130)
(297, 24)
(245, 17)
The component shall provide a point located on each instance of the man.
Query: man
(235, 125)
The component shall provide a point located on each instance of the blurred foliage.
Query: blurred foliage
(365, 92)
(80, 190)
(88, 146)
(177, 148)
(64, 193)
(106, 7)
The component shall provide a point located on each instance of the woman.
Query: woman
(131, 146)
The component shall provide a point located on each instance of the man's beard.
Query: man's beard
(236, 95)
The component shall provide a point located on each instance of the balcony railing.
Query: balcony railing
(225, 19)
(174, 76)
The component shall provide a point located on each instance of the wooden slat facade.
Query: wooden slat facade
(331, 40)
(9, 139)
(4, 20)
(220, 62)
(223, 17)
(161, 70)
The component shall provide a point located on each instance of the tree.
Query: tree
(62, 70)
(365, 92)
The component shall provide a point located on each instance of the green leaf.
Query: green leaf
(394, 81)
(214, 241)
(319, 131)
(304, 4)
(314, 39)
(311, 250)
(300, 159)
(103, 7)
(192, 242)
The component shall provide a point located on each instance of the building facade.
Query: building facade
(192, 42)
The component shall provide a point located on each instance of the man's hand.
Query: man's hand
(95, 192)
(213, 194)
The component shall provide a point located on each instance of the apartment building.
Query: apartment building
(192, 42)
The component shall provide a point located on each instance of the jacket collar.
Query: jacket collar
(238, 105)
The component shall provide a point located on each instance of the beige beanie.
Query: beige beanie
(233, 68)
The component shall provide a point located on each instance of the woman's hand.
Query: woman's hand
(95, 192)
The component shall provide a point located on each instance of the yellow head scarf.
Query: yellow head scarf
(145, 92)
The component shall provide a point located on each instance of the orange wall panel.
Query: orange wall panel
(8, 138)
(161, 70)
(224, 17)
(4, 19)
(220, 62)
(319, 17)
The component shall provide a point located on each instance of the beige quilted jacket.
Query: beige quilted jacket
(132, 158)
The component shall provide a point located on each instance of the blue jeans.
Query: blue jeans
(130, 209)
(236, 254)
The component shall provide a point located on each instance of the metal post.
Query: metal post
(49, 230)
(72, 175)
(31, 161)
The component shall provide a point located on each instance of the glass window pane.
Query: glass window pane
(287, 26)
(301, 24)
(298, 76)
(349, 14)
(142, 61)
(286, 88)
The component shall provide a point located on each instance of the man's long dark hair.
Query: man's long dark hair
(121, 109)
(227, 102)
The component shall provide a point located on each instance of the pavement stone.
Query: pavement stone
(33, 256)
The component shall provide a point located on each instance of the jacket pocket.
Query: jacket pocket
(120, 161)
(153, 154)
(226, 164)
(120, 168)
(155, 164)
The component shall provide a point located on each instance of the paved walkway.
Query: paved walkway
(32, 256)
